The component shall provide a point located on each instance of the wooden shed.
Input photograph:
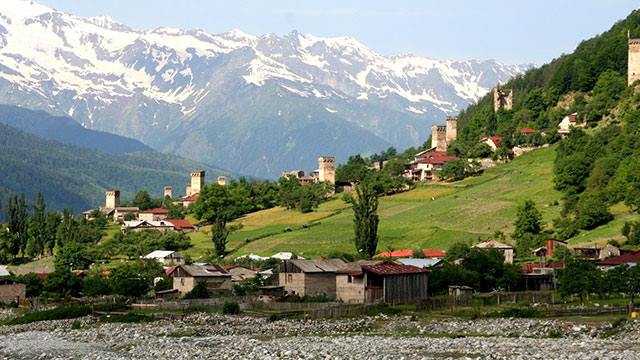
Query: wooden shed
(309, 277)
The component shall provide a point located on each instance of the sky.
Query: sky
(514, 32)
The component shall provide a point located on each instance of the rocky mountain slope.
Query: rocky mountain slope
(254, 105)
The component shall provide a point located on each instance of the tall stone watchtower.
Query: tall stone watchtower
(633, 60)
(197, 182)
(327, 169)
(168, 191)
(112, 199)
(452, 129)
(502, 99)
(439, 137)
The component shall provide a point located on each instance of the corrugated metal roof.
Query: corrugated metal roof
(318, 266)
(204, 271)
(421, 263)
(158, 254)
(391, 268)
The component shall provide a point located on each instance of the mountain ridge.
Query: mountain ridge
(162, 84)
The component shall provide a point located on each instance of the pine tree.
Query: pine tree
(219, 235)
(365, 218)
(51, 228)
(37, 228)
(67, 230)
(18, 224)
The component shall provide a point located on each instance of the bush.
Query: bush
(95, 285)
(382, 308)
(199, 291)
(315, 299)
(231, 308)
(33, 283)
(515, 313)
(65, 312)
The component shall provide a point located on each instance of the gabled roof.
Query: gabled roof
(497, 140)
(404, 253)
(160, 254)
(631, 258)
(492, 244)
(180, 224)
(355, 268)
(203, 271)
(147, 223)
(156, 211)
(529, 131)
(421, 263)
(421, 153)
(193, 197)
(435, 157)
(128, 208)
(318, 266)
(391, 268)
(528, 268)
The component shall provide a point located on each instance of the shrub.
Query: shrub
(515, 313)
(382, 308)
(231, 308)
(65, 312)
(199, 291)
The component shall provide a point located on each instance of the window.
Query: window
(289, 277)
(349, 278)
(182, 281)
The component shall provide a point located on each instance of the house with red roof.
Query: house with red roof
(568, 122)
(188, 200)
(181, 225)
(153, 214)
(366, 282)
(407, 253)
(426, 165)
(494, 142)
(631, 259)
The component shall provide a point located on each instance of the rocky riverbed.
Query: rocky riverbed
(208, 336)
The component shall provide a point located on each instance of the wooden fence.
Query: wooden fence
(451, 302)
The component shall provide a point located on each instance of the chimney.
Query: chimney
(550, 245)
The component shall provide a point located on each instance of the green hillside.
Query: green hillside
(76, 178)
(429, 216)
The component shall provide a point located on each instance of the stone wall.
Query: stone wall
(633, 69)
(350, 292)
(12, 292)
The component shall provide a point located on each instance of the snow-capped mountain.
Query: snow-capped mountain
(255, 105)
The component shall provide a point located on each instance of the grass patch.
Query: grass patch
(64, 312)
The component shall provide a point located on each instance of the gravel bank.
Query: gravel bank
(206, 336)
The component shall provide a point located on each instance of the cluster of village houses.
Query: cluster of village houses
(427, 164)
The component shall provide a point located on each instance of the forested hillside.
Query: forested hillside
(598, 166)
(76, 178)
(67, 131)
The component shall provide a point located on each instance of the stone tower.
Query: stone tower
(502, 99)
(439, 137)
(168, 191)
(327, 169)
(452, 129)
(187, 190)
(222, 180)
(112, 200)
(633, 66)
(197, 182)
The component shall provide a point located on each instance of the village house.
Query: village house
(10, 291)
(309, 277)
(240, 273)
(541, 275)
(568, 122)
(153, 214)
(505, 249)
(326, 172)
(214, 277)
(548, 250)
(494, 142)
(630, 259)
(427, 164)
(407, 253)
(596, 253)
(366, 282)
(166, 225)
(166, 257)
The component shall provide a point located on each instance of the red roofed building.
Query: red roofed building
(426, 164)
(631, 258)
(541, 275)
(188, 200)
(494, 142)
(569, 121)
(375, 281)
(153, 214)
(181, 225)
(529, 131)
(404, 253)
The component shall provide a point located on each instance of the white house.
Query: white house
(567, 123)
(166, 257)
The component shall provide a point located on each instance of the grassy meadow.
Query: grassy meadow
(432, 215)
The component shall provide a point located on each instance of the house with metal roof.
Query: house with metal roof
(214, 277)
(166, 257)
(366, 282)
(309, 277)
